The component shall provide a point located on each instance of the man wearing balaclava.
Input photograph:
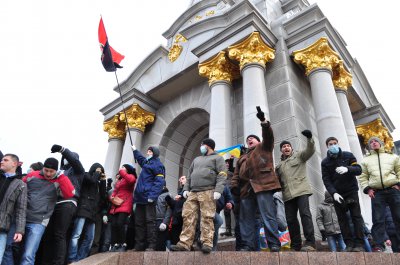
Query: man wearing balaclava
(380, 179)
(339, 171)
(148, 188)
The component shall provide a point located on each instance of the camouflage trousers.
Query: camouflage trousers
(203, 201)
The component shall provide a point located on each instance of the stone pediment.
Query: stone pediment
(162, 78)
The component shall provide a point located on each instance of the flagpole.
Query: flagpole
(123, 108)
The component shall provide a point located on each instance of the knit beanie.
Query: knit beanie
(51, 163)
(283, 143)
(254, 136)
(376, 139)
(209, 142)
(155, 150)
(129, 169)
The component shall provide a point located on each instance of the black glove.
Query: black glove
(243, 150)
(323, 235)
(56, 148)
(260, 114)
(307, 133)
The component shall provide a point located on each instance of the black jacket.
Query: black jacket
(93, 193)
(74, 171)
(336, 183)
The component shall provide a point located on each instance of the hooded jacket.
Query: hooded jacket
(292, 172)
(43, 193)
(89, 199)
(380, 170)
(343, 184)
(255, 169)
(151, 180)
(74, 171)
(123, 189)
(326, 217)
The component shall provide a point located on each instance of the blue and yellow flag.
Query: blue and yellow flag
(233, 150)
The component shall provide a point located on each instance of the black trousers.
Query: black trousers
(145, 226)
(299, 204)
(352, 204)
(162, 237)
(56, 234)
(118, 225)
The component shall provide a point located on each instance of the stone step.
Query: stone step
(242, 258)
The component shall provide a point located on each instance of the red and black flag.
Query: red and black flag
(110, 58)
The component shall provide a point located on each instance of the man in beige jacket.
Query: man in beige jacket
(296, 189)
(380, 179)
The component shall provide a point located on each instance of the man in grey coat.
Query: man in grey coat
(296, 189)
(13, 198)
(205, 184)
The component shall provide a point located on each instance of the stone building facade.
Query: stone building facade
(224, 58)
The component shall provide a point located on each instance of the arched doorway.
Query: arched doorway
(180, 143)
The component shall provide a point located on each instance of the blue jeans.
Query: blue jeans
(3, 242)
(8, 257)
(217, 224)
(33, 235)
(73, 253)
(390, 197)
(264, 202)
(336, 240)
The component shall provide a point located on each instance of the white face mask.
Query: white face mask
(203, 150)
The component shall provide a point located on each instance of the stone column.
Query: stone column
(319, 60)
(116, 135)
(253, 54)
(220, 73)
(342, 80)
(137, 119)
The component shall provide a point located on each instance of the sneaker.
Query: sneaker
(358, 249)
(178, 248)
(307, 248)
(275, 249)
(206, 249)
(377, 249)
(115, 248)
(348, 249)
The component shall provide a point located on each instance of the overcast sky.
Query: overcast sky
(52, 83)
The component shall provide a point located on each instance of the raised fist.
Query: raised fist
(307, 133)
(260, 114)
(57, 148)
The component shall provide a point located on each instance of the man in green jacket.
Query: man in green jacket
(380, 179)
(296, 189)
(204, 185)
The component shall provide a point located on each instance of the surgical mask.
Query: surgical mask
(334, 149)
(149, 157)
(203, 150)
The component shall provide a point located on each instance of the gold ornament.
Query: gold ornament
(219, 68)
(342, 79)
(115, 128)
(252, 50)
(375, 128)
(317, 55)
(176, 48)
(210, 13)
(137, 117)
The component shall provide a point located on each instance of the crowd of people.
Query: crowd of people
(60, 214)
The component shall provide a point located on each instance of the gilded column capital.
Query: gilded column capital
(252, 50)
(219, 68)
(342, 79)
(317, 55)
(115, 128)
(375, 128)
(137, 117)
